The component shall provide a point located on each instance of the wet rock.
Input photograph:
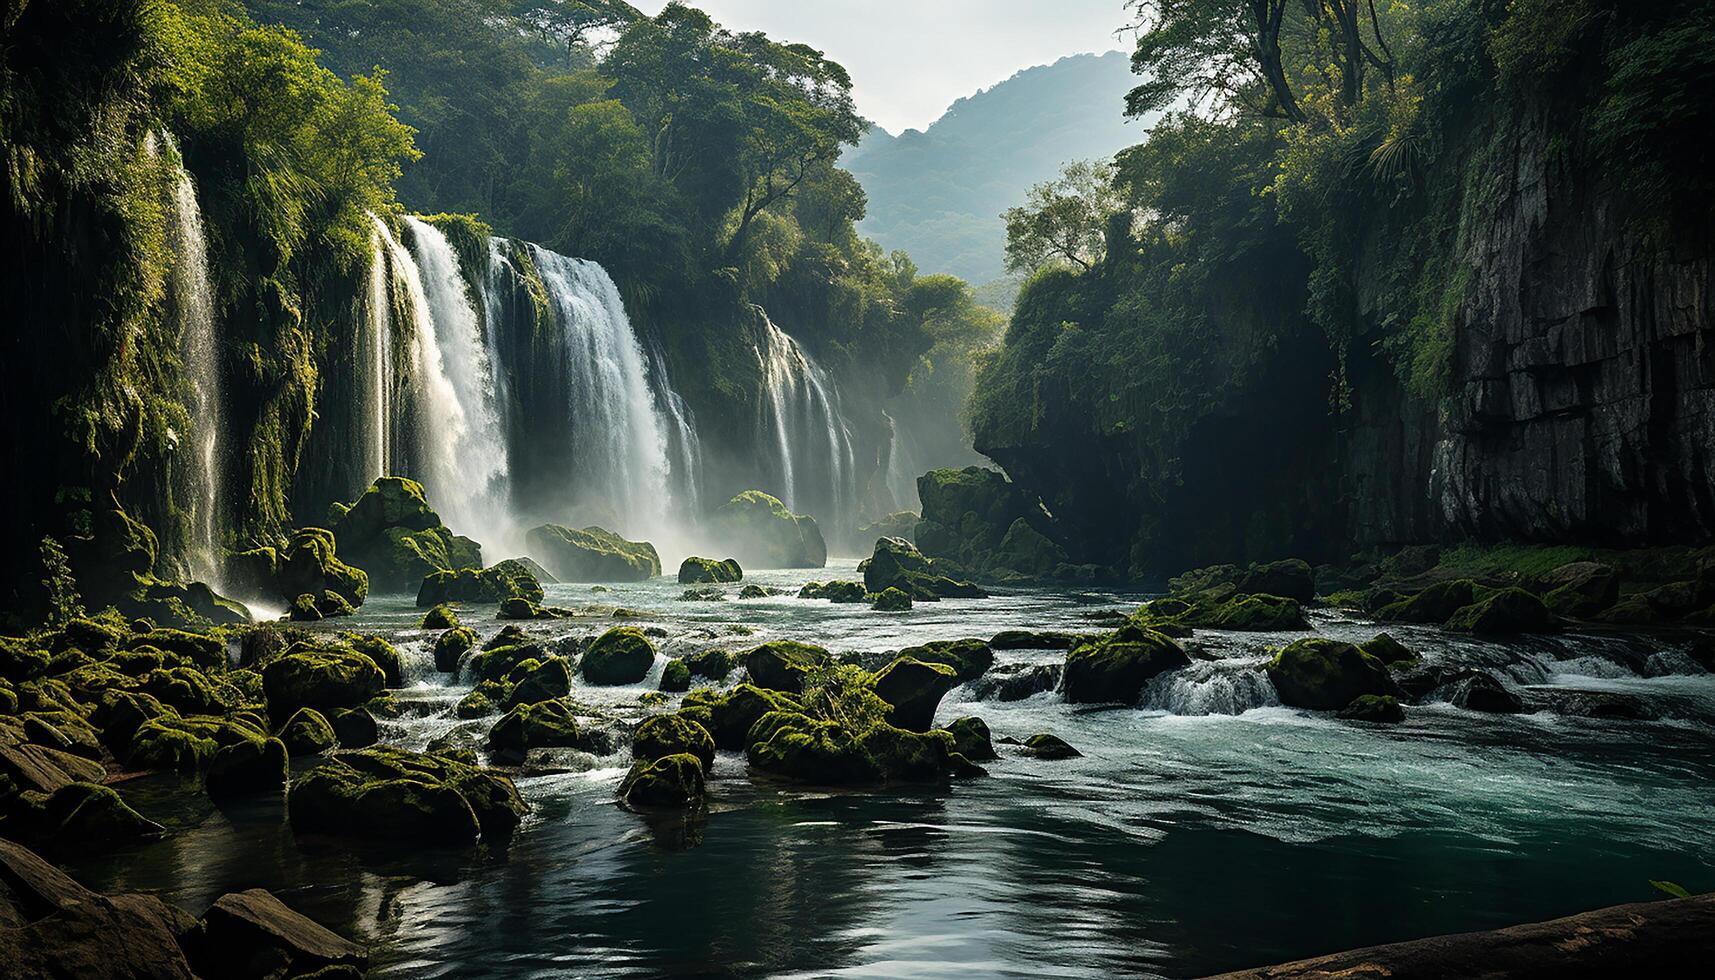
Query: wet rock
(969, 659)
(1388, 650)
(592, 554)
(309, 566)
(659, 736)
(327, 678)
(764, 534)
(353, 728)
(395, 795)
(1028, 640)
(89, 816)
(733, 714)
(675, 677)
(254, 934)
(496, 662)
(971, 739)
(1374, 707)
(759, 592)
(1015, 682)
(896, 563)
(512, 578)
(841, 592)
(442, 617)
(1326, 675)
(307, 732)
(518, 607)
(1290, 578)
(1600, 704)
(247, 769)
(451, 646)
(392, 533)
(304, 609)
(477, 704)
(669, 781)
(781, 665)
(1114, 668)
(697, 571)
(1510, 610)
(1434, 604)
(1631, 610)
(1480, 692)
(712, 664)
(1581, 589)
(622, 655)
(892, 600)
(1676, 599)
(545, 680)
(1046, 746)
(913, 689)
(545, 724)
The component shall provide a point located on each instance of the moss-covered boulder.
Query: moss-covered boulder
(309, 566)
(698, 571)
(734, 713)
(354, 728)
(1114, 668)
(441, 617)
(496, 662)
(248, 768)
(782, 664)
(712, 664)
(189, 690)
(892, 600)
(800, 748)
(593, 554)
(838, 592)
(451, 646)
(544, 680)
(307, 732)
(199, 649)
(544, 724)
(1380, 708)
(327, 678)
(478, 703)
(897, 564)
(1481, 692)
(304, 609)
(1326, 675)
(520, 608)
(1435, 604)
(1044, 745)
(622, 655)
(1580, 589)
(392, 533)
(667, 782)
(504, 580)
(1290, 578)
(1259, 613)
(405, 797)
(663, 735)
(970, 658)
(675, 677)
(972, 739)
(1027, 551)
(88, 816)
(762, 533)
(913, 690)
(1510, 610)
(1388, 650)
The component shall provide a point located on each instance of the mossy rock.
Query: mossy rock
(663, 735)
(697, 571)
(309, 566)
(441, 617)
(669, 782)
(969, 659)
(353, 728)
(406, 797)
(495, 663)
(1435, 604)
(248, 768)
(184, 744)
(119, 714)
(304, 609)
(797, 747)
(1380, 708)
(199, 649)
(393, 533)
(1326, 675)
(189, 690)
(307, 732)
(1389, 650)
(520, 608)
(763, 533)
(782, 664)
(1115, 667)
(331, 604)
(892, 600)
(1581, 589)
(675, 677)
(1028, 551)
(385, 655)
(913, 690)
(837, 592)
(1290, 578)
(712, 664)
(476, 704)
(622, 655)
(1258, 613)
(1510, 610)
(504, 580)
(451, 646)
(1631, 610)
(759, 592)
(593, 554)
(972, 739)
(1044, 745)
(89, 816)
(544, 724)
(705, 594)
(331, 678)
(546, 680)
(733, 714)
(897, 564)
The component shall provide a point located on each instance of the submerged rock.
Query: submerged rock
(248, 768)
(622, 655)
(1046, 746)
(1015, 682)
(1028, 640)
(406, 797)
(697, 571)
(1114, 668)
(669, 781)
(1374, 707)
(759, 592)
(760, 530)
(1327, 675)
(592, 554)
(892, 600)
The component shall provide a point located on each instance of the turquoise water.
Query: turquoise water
(1206, 829)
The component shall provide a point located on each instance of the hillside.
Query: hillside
(938, 194)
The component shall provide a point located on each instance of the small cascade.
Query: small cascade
(813, 461)
(464, 443)
(618, 435)
(198, 485)
(1210, 687)
(686, 450)
(375, 399)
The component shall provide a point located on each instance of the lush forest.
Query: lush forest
(1282, 324)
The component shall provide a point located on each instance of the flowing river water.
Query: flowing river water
(1206, 829)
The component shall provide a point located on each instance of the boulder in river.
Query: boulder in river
(545, 724)
(540, 680)
(913, 690)
(759, 529)
(1434, 604)
(971, 738)
(622, 655)
(406, 797)
(1115, 667)
(1044, 745)
(1326, 675)
(442, 617)
(1481, 692)
(1581, 589)
(668, 781)
(781, 665)
(671, 734)
(969, 659)
(307, 732)
(891, 600)
(732, 714)
(254, 934)
(310, 566)
(699, 571)
(593, 554)
(1374, 707)
(896, 563)
(1389, 650)
(248, 768)
(320, 678)
(512, 578)
(451, 646)
(392, 533)
(1510, 610)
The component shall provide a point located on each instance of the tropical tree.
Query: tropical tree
(1063, 221)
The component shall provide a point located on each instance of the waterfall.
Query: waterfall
(812, 443)
(375, 400)
(198, 486)
(687, 449)
(464, 442)
(618, 436)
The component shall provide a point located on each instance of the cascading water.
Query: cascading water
(199, 484)
(464, 442)
(375, 400)
(812, 443)
(687, 449)
(619, 442)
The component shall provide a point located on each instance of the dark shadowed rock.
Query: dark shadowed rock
(254, 934)
(1326, 675)
(1114, 668)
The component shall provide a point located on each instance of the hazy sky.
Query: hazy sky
(909, 59)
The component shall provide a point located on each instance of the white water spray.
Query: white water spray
(199, 484)
(375, 400)
(801, 415)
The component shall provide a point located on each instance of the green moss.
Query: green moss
(664, 735)
(622, 655)
(592, 554)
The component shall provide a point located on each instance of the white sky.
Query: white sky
(910, 59)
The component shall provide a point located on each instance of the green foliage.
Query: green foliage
(64, 603)
(1063, 220)
(845, 694)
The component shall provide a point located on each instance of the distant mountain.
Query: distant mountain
(938, 194)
